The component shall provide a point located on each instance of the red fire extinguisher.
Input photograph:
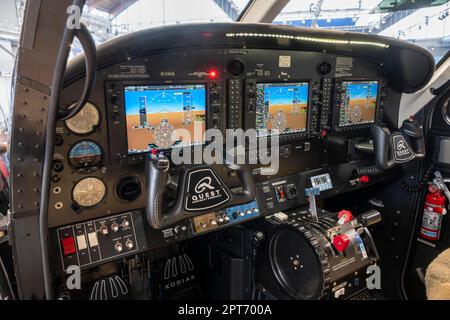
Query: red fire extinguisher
(434, 210)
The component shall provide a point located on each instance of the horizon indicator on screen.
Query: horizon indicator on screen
(358, 103)
(281, 106)
(154, 112)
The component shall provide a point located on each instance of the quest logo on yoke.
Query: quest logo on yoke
(204, 190)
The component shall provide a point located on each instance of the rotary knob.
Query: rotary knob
(114, 227)
(118, 247)
(129, 244)
(125, 223)
(104, 230)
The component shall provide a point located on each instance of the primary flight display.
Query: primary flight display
(281, 108)
(155, 112)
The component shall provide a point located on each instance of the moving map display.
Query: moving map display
(153, 113)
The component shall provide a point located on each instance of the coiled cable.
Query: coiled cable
(427, 176)
(368, 171)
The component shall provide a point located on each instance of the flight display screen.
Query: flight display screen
(281, 106)
(358, 103)
(154, 112)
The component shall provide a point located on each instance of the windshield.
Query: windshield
(426, 27)
(109, 19)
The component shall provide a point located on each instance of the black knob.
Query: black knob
(129, 188)
(324, 68)
(236, 67)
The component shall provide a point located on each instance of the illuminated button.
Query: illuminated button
(93, 240)
(114, 227)
(81, 242)
(256, 210)
(226, 218)
(104, 230)
(118, 247)
(68, 245)
(220, 219)
(213, 222)
(248, 211)
(125, 223)
(129, 244)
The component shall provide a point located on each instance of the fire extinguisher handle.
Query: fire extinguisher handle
(439, 181)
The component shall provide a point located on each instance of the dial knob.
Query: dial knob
(114, 227)
(129, 244)
(125, 223)
(118, 247)
(104, 230)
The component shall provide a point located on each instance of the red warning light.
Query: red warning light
(212, 74)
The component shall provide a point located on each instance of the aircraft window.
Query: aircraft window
(428, 27)
(106, 24)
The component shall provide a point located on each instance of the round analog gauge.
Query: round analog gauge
(85, 154)
(88, 192)
(85, 120)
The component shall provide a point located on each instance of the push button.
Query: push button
(68, 245)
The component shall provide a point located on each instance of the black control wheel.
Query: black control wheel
(399, 147)
(199, 190)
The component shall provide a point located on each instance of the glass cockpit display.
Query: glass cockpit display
(282, 107)
(357, 102)
(154, 112)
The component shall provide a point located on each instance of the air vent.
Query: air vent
(129, 189)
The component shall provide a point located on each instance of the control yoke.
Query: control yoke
(397, 147)
(199, 190)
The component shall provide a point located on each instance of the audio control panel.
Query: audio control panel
(226, 217)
